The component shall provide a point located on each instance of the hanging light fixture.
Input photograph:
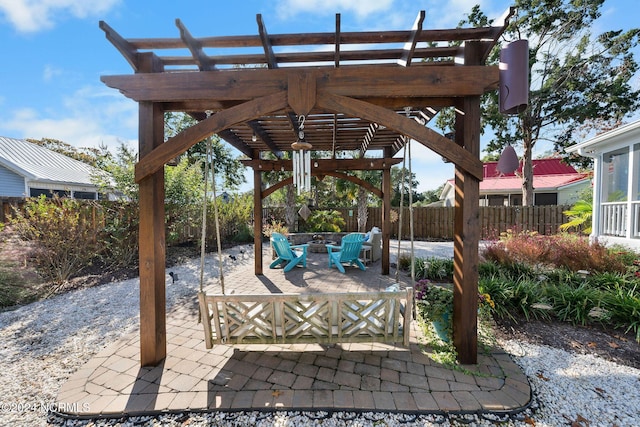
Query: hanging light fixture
(508, 162)
(301, 156)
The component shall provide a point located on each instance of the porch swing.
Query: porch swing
(289, 318)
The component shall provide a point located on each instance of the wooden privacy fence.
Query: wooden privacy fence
(437, 222)
(429, 222)
(7, 206)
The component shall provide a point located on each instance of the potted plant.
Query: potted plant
(435, 304)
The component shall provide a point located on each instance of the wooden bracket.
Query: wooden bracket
(302, 92)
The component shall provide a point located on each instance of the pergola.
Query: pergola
(361, 93)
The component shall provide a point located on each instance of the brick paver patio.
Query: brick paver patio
(301, 376)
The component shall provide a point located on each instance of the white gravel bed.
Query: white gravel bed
(43, 343)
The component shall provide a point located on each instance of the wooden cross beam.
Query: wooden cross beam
(323, 165)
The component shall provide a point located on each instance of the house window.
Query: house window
(542, 199)
(84, 195)
(615, 175)
(496, 200)
(36, 192)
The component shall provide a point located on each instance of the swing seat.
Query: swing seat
(348, 252)
(292, 255)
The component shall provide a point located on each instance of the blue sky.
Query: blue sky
(54, 54)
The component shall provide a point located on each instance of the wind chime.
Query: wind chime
(301, 156)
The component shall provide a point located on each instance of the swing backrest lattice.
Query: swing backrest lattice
(307, 318)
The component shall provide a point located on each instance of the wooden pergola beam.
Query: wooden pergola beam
(205, 63)
(410, 45)
(235, 141)
(405, 126)
(126, 48)
(324, 165)
(266, 43)
(218, 122)
(336, 54)
(357, 82)
(326, 38)
(324, 57)
(289, 181)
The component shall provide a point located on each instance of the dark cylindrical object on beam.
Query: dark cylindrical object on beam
(514, 77)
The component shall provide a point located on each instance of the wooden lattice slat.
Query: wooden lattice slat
(317, 318)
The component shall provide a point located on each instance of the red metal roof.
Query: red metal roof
(514, 183)
(540, 167)
(548, 174)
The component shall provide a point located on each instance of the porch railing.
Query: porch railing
(615, 219)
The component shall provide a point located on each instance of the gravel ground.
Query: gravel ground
(43, 343)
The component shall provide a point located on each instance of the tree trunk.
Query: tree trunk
(290, 210)
(527, 174)
(363, 212)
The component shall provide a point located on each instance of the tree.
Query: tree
(577, 80)
(90, 156)
(120, 167)
(430, 196)
(227, 167)
(410, 183)
(348, 190)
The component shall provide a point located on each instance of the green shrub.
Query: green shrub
(234, 215)
(119, 235)
(623, 307)
(325, 221)
(436, 269)
(574, 304)
(553, 288)
(404, 262)
(65, 236)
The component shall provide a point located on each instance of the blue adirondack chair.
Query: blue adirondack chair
(347, 252)
(292, 255)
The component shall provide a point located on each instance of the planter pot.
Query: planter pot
(442, 326)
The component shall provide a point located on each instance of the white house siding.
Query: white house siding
(11, 184)
(570, 194)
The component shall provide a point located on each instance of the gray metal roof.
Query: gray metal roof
(41, 164)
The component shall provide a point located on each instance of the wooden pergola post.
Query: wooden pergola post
(153, 340)
(466, 229)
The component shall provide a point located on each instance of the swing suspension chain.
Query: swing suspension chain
(216, 218)
(407, 151)
(404, 161)
(209, 162)
(204, 213)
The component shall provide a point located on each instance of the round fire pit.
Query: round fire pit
(318, 246)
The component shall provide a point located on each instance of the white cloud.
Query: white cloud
(30, 16)
(90, 117)
(50, 72)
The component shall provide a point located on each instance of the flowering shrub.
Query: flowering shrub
(568, 251)
(434, 299)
